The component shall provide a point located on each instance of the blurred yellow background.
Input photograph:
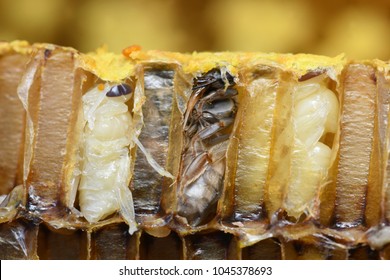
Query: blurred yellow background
(359, 28)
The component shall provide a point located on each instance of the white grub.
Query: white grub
(108, 136)
(315, 114)
(105, 175)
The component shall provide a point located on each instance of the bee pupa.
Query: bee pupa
(105, 175)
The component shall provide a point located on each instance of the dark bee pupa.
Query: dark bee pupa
(119, 90)
(213, 79)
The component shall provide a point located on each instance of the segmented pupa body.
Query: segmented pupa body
(105, 175)
(208, 120)
(315, 114)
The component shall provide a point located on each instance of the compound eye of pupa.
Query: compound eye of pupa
(119, 90)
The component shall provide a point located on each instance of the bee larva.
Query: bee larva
(315, 114)
(105, 174)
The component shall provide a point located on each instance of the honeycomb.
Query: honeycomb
(161, 155)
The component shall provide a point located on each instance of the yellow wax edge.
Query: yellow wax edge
(22, 47)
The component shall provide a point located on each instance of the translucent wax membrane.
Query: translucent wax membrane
(254, 140)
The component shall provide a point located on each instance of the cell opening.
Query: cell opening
(211, 246)
(113, 242)
(161, 248)
(18, 240)
(62, 244)
(267, 249)
(157, 113)
(363, 252)
(12, 123)
(312, 250)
